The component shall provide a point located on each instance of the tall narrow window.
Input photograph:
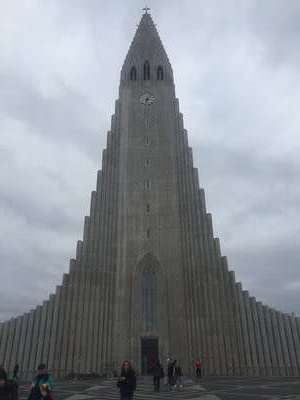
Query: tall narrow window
(147, 140)
(148, 208)
(147, 184)
(148, 233)
(147, 162)
(146, 71)
(149, 288)
(160, 73)
(133, 74)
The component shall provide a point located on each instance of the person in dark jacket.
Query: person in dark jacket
(178, 376)
(158, 373)
(3, 384)
(127, 381)
(16, 373)
(42, 385)
(171, 367)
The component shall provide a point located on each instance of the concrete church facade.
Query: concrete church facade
(149, 279)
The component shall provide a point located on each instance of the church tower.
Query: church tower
(149, 279)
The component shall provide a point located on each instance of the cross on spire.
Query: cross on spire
(146, 9)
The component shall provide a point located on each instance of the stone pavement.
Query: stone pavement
(107, 390)
(205, 389)
(253, 388)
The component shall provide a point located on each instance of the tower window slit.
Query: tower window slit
(148, 233)
(133, 74)
(146, 71)
(148, 208)
(160, 73)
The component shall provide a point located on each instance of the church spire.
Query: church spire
(146, 47)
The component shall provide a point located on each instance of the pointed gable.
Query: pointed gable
(146, 47)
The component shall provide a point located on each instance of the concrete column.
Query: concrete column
(238, 329)
(9, 343)
(1, 331)
(90, 265)
(271, 342)
(79, 327)
(4, 338)
(28, 346)
(113, 234)
(15, 344)
(252, 341)
(54, 330)
(247, 361)
(258, 338)
(34, 343)
(281, 369)
(65, 354)
(74, 286)
(296, 340)
(265, 342)
(208, 357)
(214, 361)
(285, 352)
(60, 329)
(221, 305)
(98, 309)
(106, 267)
(182, 144)
(190, 256)
(232, 357)
(21, 351)
(41, 335)
(103, 263)
(48, 329)
(290, 345)
(202, 308)
(86, 293)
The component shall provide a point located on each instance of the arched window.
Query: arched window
(160, 73)
(146, 71)
(149, 287)
(133, 74)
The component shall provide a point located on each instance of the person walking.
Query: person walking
(198, 367)
(16, 373)
(171, 366)
(42, 385)
(127, 381)
(158, 373)
(178, 375)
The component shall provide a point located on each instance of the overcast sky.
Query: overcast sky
(237, 72)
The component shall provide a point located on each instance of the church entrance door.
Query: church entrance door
(149, 353)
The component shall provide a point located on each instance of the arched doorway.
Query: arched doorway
(150, 321)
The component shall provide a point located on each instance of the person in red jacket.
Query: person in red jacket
(198, 367)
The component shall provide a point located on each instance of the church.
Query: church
(149, 280)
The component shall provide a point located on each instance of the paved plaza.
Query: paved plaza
(254, 388)
(206, 389)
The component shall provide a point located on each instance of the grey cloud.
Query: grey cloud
(236, 69)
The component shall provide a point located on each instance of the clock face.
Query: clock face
(147, 99)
